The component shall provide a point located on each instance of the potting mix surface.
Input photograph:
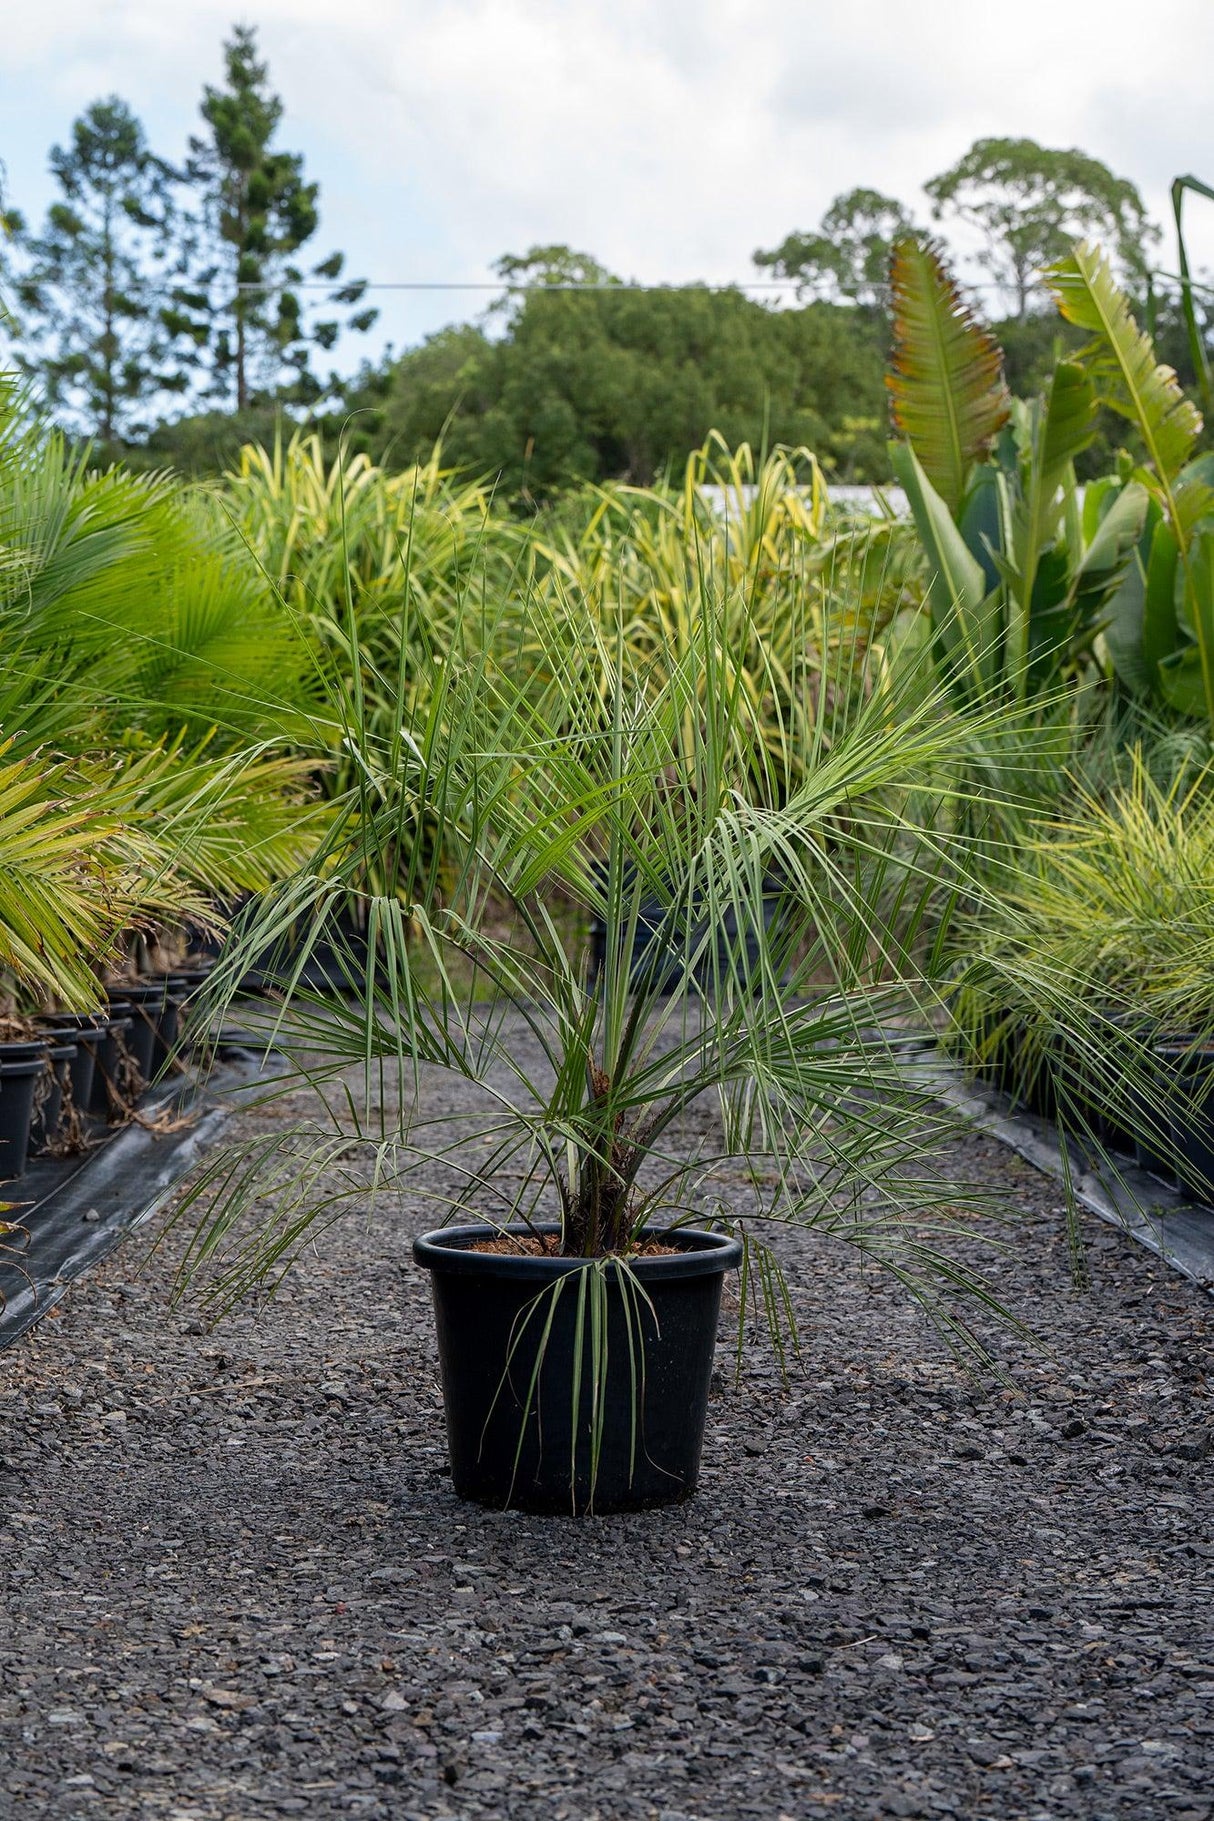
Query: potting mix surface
(237, 1583)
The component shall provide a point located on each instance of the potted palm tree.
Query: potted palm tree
(577, 1276)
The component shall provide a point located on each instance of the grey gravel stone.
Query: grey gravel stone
(237, 1582)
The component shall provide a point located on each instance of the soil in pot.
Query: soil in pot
(512, 1349)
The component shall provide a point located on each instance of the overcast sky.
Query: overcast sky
(669, 138)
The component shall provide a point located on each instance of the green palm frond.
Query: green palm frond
(949, 396)
(199, 824)
(62, 900)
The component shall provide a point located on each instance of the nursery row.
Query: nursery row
(258, 688)
(719, 801)
(76, 1074)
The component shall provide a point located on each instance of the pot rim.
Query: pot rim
(98, 1025)
(446, 1249)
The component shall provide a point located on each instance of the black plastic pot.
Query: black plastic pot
(47, 1124)
(662, 939)
(1189, 1109)
(20, 1066)
(1152, 1130)
(106, 1097)
(168, 1022)
(86, 1030)
(534, 1452)
(143, 1002)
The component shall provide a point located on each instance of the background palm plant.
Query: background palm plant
(142, 651)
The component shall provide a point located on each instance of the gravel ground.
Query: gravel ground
(237, 1583)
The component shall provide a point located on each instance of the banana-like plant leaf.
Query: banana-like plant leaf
(1201, 468)
(1193, 500)
(1160, 629)
(1068, 423)
(1197, 341)
(1195, 607)
(966, 616)
(949, 396)
(1053, 430)
(1122, 360)
(981, 520)
(1051, 624)
(1181, 682)
(1108, 555)
(1125, 608)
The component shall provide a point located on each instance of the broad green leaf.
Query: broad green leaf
(1107, 558)
(1195, 607)
(949, 396)
(1181, 683)
(1123, 628)
(1059, 427)
(1068, 422)
(1160, 630)
(966, 616)
(1194, 501)
(980, 520)
(1122, 360)
(1201, 468)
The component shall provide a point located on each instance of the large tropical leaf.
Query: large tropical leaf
(1197, 340)
(1108, 557)
(966, 617)
(949, 396)
(1121, 359)
(1053, 430)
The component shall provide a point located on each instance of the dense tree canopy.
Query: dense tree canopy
(585, 385)
(152, 280)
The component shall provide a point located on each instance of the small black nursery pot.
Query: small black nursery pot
(21, 1066)
(1188, 1105)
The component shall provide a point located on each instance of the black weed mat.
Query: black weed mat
(237, 1583)
(69, 1212)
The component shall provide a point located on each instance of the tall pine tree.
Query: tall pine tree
(255, 211)
(93, 284)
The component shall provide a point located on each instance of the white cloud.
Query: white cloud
(668, 138)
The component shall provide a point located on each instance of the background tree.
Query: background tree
(253, 333)
(591, 385)
(94, 287)
(12, 226)
(848, 258)
(1029, 203)
(558, 266)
